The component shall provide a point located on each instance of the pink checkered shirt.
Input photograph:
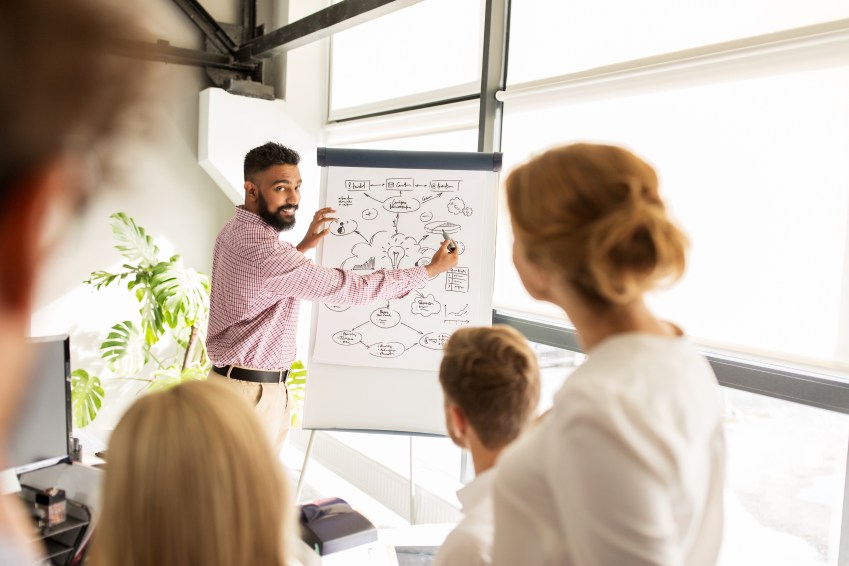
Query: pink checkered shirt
(258, 282)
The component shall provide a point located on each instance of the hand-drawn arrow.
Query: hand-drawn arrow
(372, 198)
(423, 237)
(411, 328)
(363, 324)
(425, 199)
(395, 224)
(361, 236)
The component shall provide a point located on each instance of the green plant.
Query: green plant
(166, 345)
(297, 383)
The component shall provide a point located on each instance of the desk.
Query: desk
(383, 552)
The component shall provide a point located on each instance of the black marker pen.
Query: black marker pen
(451, 246)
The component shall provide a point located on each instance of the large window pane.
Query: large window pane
(755, 171)
(784, 485)
(430, 46)
(555, 38)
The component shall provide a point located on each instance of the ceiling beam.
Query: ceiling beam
(321, 24)
(208, 26)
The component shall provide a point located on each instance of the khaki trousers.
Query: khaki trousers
(271, 401)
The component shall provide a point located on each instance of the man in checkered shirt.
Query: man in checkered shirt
(258, 282)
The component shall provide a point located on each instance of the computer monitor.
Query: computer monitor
(42, 433)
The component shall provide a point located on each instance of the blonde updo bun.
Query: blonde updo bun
(592, 213)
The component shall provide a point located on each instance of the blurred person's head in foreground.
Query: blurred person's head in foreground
(66, 98)
(191, 478)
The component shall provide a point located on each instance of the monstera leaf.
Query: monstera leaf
(133, 242)
(124, 349)
(183, 292)
(152, 316)
(86, 397)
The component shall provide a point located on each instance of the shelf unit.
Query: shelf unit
(61, 542)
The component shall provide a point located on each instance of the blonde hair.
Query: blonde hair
(593, 214)
(191, 479)
(491, 374)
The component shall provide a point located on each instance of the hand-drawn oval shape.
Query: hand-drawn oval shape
(438, 226)
(401, 204)
(426, 216)
(434, 340)
(386, 349)
(337, 308)
(347, 338)
(385, 317)
(370, 214)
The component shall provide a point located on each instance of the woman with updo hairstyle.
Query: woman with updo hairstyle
(191, 480)
(627, 466)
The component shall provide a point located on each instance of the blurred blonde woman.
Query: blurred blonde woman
(627, 468)
(191, 480)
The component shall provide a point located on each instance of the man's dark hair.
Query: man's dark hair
(66, 89)
(267, 155)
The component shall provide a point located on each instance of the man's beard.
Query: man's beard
(279, 223)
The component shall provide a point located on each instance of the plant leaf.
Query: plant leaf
(180, 291)
(171, 376)
(165, 379)
(296, 384)
(124, 349)
(133, 242)
(195, 373)
(152, 315)
(100, 279)
(86, 397)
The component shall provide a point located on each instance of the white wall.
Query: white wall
(164, 189)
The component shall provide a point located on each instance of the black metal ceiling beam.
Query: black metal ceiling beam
(324, 23)
(249, 18)
(207, 24)
(164, 52)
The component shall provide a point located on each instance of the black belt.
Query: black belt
(254, 375)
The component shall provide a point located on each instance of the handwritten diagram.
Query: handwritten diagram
(395, 219)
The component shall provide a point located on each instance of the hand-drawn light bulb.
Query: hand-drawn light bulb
(396, 254)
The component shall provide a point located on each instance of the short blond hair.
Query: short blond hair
(491, 374)
(593, 214)
(191, 479)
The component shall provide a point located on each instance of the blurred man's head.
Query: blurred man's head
(65, 97)
(490, 380)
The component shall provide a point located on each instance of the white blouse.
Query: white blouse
(626, 469)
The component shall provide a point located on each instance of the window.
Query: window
(752, 164)
(425, 52)
(580, 35)
(786, 465)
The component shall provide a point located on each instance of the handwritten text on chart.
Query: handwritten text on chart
(445, 186)
(457, 280)
(399, 184)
